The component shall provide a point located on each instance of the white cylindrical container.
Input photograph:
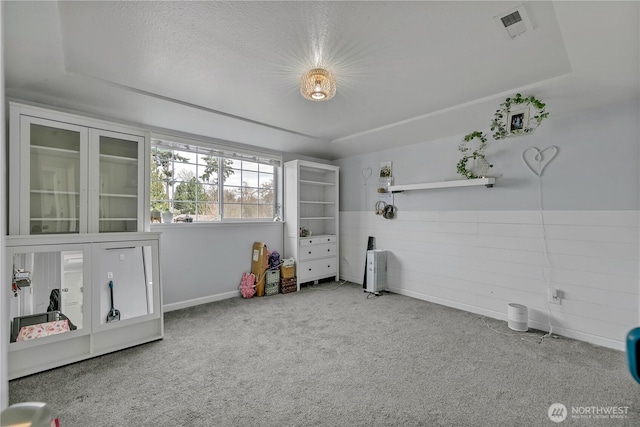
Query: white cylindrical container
(167, 217)
(518, 316)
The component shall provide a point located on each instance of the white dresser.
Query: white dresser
(311, 206)
(317, 258)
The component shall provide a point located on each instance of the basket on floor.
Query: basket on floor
(288, 285)
(273, 282)
(287, 271)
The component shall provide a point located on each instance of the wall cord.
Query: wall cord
(545, 252)
(537, 340)
(314, 288)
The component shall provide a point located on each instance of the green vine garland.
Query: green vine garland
(476, 154)
(499, 125)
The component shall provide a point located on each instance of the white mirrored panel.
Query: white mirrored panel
(47, 294)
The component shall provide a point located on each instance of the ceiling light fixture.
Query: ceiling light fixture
(318, 85)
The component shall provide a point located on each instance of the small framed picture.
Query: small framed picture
(385, 170)
(518, 120)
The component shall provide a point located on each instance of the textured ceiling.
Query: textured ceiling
(406, 71)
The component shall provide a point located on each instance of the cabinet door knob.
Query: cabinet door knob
(309, 252)
(309, 269)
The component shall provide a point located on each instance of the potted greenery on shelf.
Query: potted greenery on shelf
(476, 155)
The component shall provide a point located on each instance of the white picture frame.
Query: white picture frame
(518, 121)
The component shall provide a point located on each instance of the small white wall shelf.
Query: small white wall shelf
(487, 182)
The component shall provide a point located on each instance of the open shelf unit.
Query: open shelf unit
(311, 203)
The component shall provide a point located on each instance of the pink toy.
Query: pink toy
(248, 285)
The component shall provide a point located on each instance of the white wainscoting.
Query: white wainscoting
(480, 261)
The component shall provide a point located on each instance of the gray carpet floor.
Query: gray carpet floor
(330, 356)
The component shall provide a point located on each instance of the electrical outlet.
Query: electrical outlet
(555, 296)
(110, 275)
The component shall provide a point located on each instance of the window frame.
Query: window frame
(198, 148)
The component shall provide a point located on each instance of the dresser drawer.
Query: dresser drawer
(309, 241)
(316, 269)
(317, 251)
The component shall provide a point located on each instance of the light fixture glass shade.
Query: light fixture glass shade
(318, 85)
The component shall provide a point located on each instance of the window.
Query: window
(199, 183)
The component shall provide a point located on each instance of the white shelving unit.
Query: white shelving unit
(311, 202)
(487, 182)
(71, 174)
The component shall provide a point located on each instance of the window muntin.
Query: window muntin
(249, 192)
(187, 180)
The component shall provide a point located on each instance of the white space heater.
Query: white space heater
(376, 270)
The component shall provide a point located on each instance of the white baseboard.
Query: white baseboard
(557, 330)
(198, 301)
(357, 280)
(569, 333)
(581, 336)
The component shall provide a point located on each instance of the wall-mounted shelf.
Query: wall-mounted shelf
(488, 182)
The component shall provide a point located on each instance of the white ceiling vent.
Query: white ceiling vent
(514, 22)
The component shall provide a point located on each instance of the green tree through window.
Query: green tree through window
(211, 171)
(190, 197)
(187, 179)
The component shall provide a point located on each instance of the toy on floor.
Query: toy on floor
(248, 285)
(273, 260)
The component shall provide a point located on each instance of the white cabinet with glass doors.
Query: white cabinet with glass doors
(71, 174)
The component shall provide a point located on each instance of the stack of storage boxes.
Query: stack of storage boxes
(288, 281)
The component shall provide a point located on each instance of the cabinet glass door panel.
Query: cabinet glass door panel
(118, 181)
(48, 294)
(56, 193)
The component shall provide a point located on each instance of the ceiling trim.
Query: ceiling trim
(191, 105)
(457, 107)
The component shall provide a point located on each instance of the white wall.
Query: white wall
(204, 262)
(596, 168)
(4, 305)
(478, 249)
(286, 157)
